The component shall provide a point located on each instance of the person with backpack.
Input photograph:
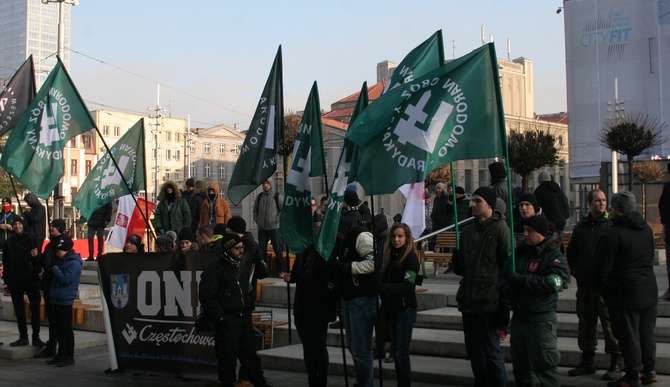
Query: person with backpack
(267, 207)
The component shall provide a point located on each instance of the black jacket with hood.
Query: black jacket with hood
(553, 201)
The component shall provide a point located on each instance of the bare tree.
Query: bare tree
(647, 171)
(530, 150)
(631, 135)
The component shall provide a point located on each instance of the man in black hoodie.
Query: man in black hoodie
(624, 275)
(36, 220)
(553, 201)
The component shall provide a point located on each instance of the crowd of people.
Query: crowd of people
(369, 281)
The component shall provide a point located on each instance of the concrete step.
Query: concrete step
(434, 296)
(568, 323)
(92, 319)
(448, 343)
(9, 333)
(426, 369)
(89, 276)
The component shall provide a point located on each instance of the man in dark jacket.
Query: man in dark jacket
(267, 207)
(36, 220)
(553, 201)
(354, 268)
(172, 212)
(224, 298)
(443, 210)
(195, 203)
(484, 249)
(664, 210)
(99, 219)
(20, 275)
(7, 217)
(590, 304)
(532, 288)
(624, 275)
(66, 270)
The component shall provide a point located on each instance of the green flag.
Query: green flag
(258, 158)
(423, 59)
(34, 149)
(452, 113)
(296, 221)
(344, 174)
(104, 183)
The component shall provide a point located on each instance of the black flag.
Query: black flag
(17, 95)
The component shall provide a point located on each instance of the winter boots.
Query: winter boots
(586, 366)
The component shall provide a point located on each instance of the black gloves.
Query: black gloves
(340, 267)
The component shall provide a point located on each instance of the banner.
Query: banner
(104, 183)
(414, 214)
(345, 173)
(258, 157)
(152, 299)
(423, 59)
(17, 95)
(34, 151)
(129, 220)
(296, 221)
(452, 113)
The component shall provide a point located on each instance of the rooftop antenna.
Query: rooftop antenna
(509, 47)
(483, 36)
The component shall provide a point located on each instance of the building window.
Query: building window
(177, 154)
(221, 193)
(105, 130)
(236, 149)
(168, 154)
(222, 149)
(177, 137)
(73, 192)
(167, 174)
(73, 167)
(191, 168)
(168, 135)
(560, 140)
(117, 131)
(154, 153)
(176, 175)
(87, 141)
(222, 171)
(207, 170)
(191, 147)
(89, 166)
(206, 147)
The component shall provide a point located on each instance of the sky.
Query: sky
(212, 57)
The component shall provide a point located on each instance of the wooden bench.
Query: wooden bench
(439, 256)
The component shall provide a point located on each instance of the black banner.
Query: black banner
(17, 96)
(152, 300)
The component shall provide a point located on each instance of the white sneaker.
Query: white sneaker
(665, 296)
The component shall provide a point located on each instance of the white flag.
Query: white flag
(414, 214)
(128, 220)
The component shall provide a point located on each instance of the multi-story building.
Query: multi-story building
(29, 27)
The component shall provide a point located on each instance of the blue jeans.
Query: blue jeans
(275, 237)
(483, 348)
(359, 315)
(400, 327)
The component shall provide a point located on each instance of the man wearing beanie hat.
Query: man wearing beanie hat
(532, 288)
(189, 187)
(195, 203)
(624, 275)
(590, 303)
(225, 302)
(64, 288)
(186, 242)
(484, 249)
(6, 219)
(133, 244)
(553, 201)
(20, 276)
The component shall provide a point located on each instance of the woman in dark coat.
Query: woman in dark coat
(397, 291)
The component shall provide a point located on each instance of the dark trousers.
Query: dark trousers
(313, 332)
(275, 237)
(483, 348)
(401, 325)
(51, 316)
(534, 352)
(634, 328)
(63, 322)
(234, 339)
(590, 306)
(92, 231)
(31, 289)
